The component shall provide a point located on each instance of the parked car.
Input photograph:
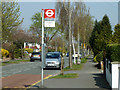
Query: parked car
(76, 55)
(67, 54)
(53, 60)
(35, 56)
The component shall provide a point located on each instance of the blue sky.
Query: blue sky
(97, 9)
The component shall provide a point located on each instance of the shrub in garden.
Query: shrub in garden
(95, 59)
(99, 56)
(17, 53)
(113, 52)
(29, 50)
(4, 52)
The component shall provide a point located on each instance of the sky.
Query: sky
(97, 9)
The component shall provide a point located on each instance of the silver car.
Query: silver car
(35, 56)
(53, 60)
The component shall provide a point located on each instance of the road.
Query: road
(25, 74)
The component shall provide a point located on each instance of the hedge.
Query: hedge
(113, 52)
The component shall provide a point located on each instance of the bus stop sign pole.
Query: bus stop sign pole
(42, 75)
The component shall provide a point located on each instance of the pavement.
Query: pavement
(89, 77)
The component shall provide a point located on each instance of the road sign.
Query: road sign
(49, 13)
(49, 23)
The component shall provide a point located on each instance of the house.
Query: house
(35, 46)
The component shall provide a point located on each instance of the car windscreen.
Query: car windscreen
(52, 55)
(35, 53)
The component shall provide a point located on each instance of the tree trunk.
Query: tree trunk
(74, 50)
(70, 39)
(62, 66)
(12, 55)
(21, 52)
(102, 66)
(99, 64)
(78, 60)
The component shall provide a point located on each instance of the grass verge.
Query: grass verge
(69, 75)
(74, 67)
(13, 62)
(84, 60)
(77, 66)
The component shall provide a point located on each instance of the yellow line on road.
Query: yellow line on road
(5, 87)
(36, 83)
(47, 77)
(39, 81)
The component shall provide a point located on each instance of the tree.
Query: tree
(83, 25)
(116, 35)
(59, 43)
(10, 20)
(64, 12)
(20, 36)
(36, 28)
(95, 38)
(106, 34)
(72, 17)
(106, 29)
(100, 37)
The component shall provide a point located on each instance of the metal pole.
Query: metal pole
(42, 45)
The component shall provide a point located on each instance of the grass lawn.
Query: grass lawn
(14, 62)
(69, 75)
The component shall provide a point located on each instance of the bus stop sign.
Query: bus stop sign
(49, 13)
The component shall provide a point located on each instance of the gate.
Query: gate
(119, 80)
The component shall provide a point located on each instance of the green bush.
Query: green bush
(94, 60)
(50, 50)
(29, 50)
(4, 52)
(17, 53)
(113, 52)
(99, 56)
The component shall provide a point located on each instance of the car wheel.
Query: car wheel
(59, 67)
(31, 60)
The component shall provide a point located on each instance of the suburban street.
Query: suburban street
(29, 71)
(65, 44)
